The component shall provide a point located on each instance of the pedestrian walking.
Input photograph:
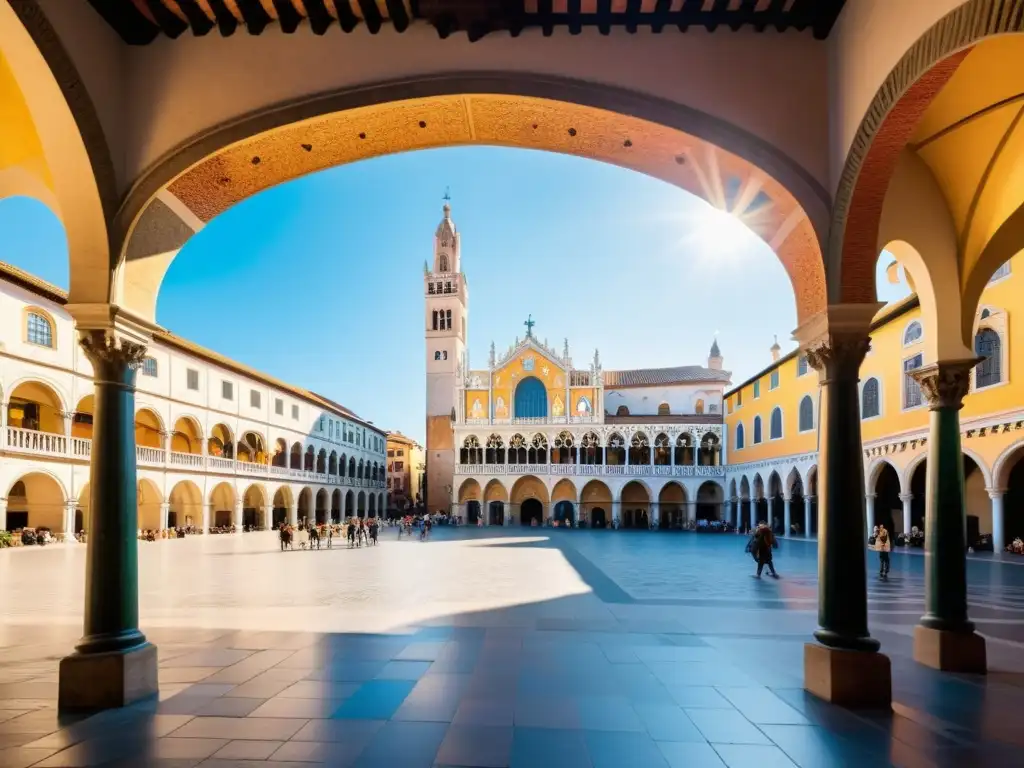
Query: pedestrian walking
(884, 546)
(764, 543)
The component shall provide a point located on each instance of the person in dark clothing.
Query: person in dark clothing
(764, 542)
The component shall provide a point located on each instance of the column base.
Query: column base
(854, 679)
(950, 651)
(107, 680)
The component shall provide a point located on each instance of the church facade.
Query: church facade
(534, 437)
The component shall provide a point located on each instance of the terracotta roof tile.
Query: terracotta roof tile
(684, 374)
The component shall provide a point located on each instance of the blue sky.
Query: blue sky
(320, 281)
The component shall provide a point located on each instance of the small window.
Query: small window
(622, 411)
(773, 382)
(227, 390)
(192, 379)
(739, 436)
(149, 366)
(870, 402)
(913, 334)
(801, 365)
(448, 319)
(1000, 273)
(664, 410)
(295, 412)
(254, 398)
(757, 430)
(435, 320)
(912, 396)
(775, 425)
(757, 390)
(39, 330)
(988, 345)
(739, 398)
(437, 355)
(806, 414)
(443, 263)
(322, 420)
(698, 407)
(279, 406)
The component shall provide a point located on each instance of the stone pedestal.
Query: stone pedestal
(950, 651)
(91, 681)
(853, 679)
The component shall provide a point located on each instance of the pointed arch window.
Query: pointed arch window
(443, 262)
(869, 399)
(563, 451)
(538, 451)
(757, 430)
(684, 450)
(471, 452)
(495, 450)
(640, 449)
(662, 450)
(615, 454)
(517, 453)
(988, 345)
(590, 449)
(709, 454)
(775, 426)
(739, 436)
(806, 414)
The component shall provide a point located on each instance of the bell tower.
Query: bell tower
(445, 321)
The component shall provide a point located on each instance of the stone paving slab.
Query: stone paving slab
(498, 648)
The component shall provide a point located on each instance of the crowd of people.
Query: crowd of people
(356, 531)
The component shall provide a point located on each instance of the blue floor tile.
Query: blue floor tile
(376, 700)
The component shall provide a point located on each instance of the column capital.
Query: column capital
(870, 496)
(836, 339)
(905, 497)
(110, 351)
(808, 499)
(995, 493)
(946, 383)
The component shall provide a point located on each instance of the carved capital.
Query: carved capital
(945, 383)
(836, 340)
(838, 354)
(110, 353)
(905, 497)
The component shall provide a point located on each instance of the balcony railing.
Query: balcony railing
(47, 444)
(590, 470)
(531, 421)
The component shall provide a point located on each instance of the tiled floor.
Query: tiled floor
(498, 648)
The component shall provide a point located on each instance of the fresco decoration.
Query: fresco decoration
(557, 407)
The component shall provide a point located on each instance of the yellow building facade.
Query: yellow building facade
(772, 425)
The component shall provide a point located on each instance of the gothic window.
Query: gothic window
(806, 414)
(869, 399)
(471, 452)
(495, 450)
(757, 430)
(435, 320)
(664, 410)
(684, 449)
(616, 451)
(563, 450)
(913, 334)
(583, 407)
(538, 452)
(517, 450)
(775, 426)
(708, 456)
(443, 262)
(912, 397)
(640, 449)
(987, 344)
(590, 449)
(662, 450)
(739, 436)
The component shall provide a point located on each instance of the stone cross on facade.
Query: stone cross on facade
(529, 323)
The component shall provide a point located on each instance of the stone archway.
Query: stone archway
(36, 500)
(186, 506)
(222, 505)
(671, 507)
(596, 505)
(564, 503)
(150, 503)
(531, 491)
(635, 505)
(282, 505)
(254, 504)
(496, 502)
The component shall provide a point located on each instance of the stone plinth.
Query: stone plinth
(950, 651)
(854, 679)
(90, 681)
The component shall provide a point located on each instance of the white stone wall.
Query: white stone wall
(681, 398)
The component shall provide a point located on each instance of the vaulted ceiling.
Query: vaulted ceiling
(139, 22)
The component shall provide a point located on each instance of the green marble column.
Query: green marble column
(842, 557)
(113, 665)
(111, 571)
(945, 384)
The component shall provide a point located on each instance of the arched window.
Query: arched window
(739, 436)
(664, 410)
(913, 334)
(775, 426)
(662, 450)
(583, 407)
(698, 407)
(801, 365)
(531, 399)
(806, 414)
(987, 344)
(757, 430)
(615, 454)
(563, 451)
(869, 401)
(443, 263)
(39, 330)
(471, 452)
(495, 450)
(591, 451)
(622, 411)
(448, 319)
(435, 320)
